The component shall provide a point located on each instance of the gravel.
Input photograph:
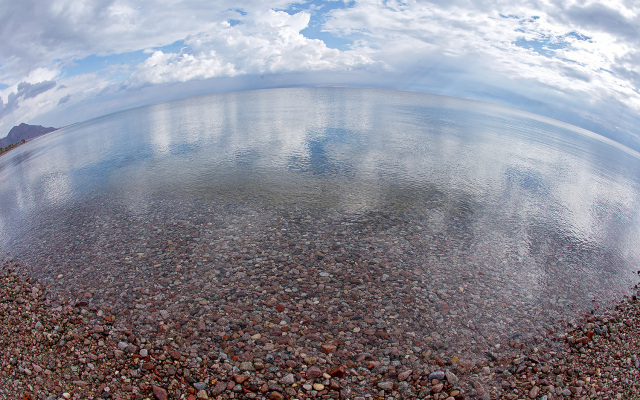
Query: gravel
(53, 349)
(192, 303)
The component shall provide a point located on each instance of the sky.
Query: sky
(578, 61)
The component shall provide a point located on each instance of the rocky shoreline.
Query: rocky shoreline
(53, 348)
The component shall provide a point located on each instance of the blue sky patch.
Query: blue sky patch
(318, 9)
(332, 41)
(578, 36)
(95, 63)
(175, 47)
(548, 47)
(543, 47)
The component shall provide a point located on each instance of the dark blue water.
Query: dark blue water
(489, 200)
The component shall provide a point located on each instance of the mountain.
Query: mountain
(23, 132)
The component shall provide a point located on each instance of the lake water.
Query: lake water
(454, 220)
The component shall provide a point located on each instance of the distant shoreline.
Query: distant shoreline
(11, 147)
(23, 141)
(16, 145)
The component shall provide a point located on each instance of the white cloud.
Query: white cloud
(27, 101)
(549, 51)
(37, 33)
(569, 59)
(41, 38)
(263, 43)
(171, 67)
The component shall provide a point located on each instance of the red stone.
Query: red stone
(240, 378)
(280, 307)
(276, 396)
(313, 372)
(328, 348)
(382, 334)
(438, 360)
(160, 393)
(337, 371)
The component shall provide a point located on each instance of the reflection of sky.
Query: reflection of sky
(160, 132)
(356, 147)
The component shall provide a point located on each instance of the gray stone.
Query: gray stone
(439, 375)
(247, 366)
(200, 386)
(288, 379)
(451, 377)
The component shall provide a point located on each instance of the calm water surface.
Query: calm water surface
(539, 212)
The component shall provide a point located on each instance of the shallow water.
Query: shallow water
(501, 221)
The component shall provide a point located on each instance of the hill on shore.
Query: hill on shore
(24, 132)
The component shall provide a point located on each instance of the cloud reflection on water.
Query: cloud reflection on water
(498, 179)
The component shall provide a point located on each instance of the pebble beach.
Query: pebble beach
(267, 304)
(53, 349)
